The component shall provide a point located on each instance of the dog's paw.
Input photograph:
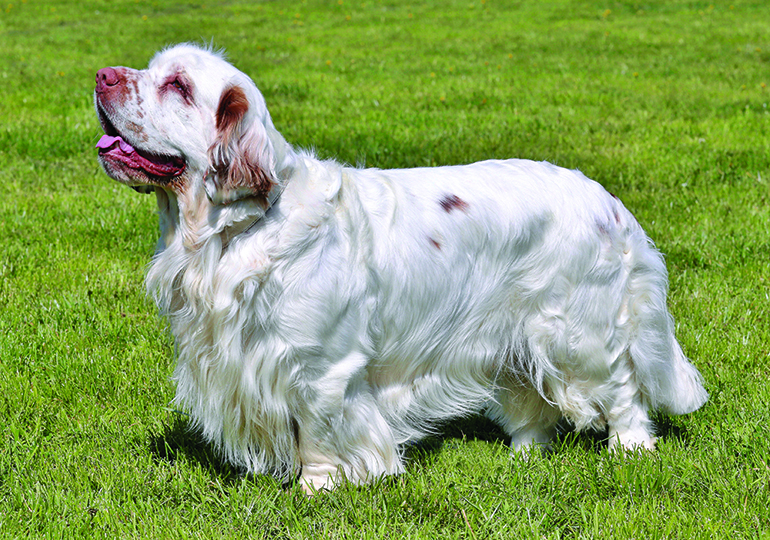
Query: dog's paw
(530, 441)
(631, 441)
(316, 478)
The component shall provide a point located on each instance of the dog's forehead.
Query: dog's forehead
(192, 59)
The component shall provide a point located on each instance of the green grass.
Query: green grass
(664, 102)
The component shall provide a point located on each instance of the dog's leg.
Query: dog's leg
(631, 431)
(630, 428)
(356, 446)
(528, 418)
(629, 424)
(531, 437)
(342, 434)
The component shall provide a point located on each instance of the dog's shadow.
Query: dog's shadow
(480, 428)
(179, 439)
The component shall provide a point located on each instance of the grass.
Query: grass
(664, 103)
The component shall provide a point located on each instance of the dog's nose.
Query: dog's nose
(106, 77)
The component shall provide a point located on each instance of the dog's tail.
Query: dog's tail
(669, 380)
(686, 393)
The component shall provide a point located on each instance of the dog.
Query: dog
(324, 316)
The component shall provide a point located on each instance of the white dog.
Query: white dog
(326, 315)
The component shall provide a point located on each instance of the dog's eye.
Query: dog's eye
(179, 86)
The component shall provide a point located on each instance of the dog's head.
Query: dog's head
(190, 121)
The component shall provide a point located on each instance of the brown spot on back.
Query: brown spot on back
(435, 243)
(602, 228)
(450, 202)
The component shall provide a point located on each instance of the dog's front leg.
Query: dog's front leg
(341, 433)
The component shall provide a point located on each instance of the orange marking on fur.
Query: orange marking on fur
(450, 202)
(233, 105)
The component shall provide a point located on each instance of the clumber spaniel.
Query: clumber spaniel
(325, 315)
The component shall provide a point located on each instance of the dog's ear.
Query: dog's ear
(242, 160)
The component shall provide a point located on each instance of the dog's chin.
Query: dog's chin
(132, 178)
(137, 171)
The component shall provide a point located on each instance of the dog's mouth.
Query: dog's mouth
(115, 149)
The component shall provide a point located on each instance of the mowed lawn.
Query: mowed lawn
(663, 102)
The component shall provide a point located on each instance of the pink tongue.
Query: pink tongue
(107, 141)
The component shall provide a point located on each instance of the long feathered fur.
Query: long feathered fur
(365, 306)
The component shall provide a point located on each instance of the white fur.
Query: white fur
(365, 306)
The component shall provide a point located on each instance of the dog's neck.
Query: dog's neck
(190, 214)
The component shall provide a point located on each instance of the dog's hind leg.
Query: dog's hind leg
(525, 415)
(653, 373)
(628, 422)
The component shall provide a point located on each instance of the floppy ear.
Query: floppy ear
(242, 159)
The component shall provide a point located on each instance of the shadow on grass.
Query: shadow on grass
(667, 428)
(474, 428)
(480, 428)
(180, 440)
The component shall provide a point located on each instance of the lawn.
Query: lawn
(663, 102)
